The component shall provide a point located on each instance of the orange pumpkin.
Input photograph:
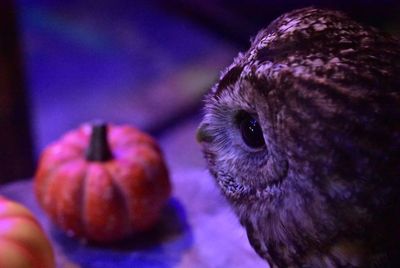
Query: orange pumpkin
(103, 183)
(22, 240)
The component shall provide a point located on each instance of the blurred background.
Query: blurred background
(144, 62)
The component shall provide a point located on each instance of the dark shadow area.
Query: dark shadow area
(16, 151)
(238, 20)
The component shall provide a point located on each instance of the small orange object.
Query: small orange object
(103, 182)
(22, 240)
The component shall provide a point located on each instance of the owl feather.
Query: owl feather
(302, 135)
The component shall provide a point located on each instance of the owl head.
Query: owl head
(302, 132)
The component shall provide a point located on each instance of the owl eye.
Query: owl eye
(250, 130)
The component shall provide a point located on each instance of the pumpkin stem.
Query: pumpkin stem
(99, 149)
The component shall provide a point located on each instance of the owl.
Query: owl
(302, 136)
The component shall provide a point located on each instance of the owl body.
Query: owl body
(302, 135)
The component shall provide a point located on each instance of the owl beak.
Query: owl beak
(202, 134)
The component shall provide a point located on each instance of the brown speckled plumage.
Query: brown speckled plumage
(324, 189)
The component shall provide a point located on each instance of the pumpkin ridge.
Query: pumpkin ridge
(43, 186)
(35, 261)
(153, 176)
(121, 196)
(133, 219)
(82, 201)
(42, 197)
(147, 166)
(119, 190)
(52, 203)
(79, 205)
(104, 201)
(100, 204)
